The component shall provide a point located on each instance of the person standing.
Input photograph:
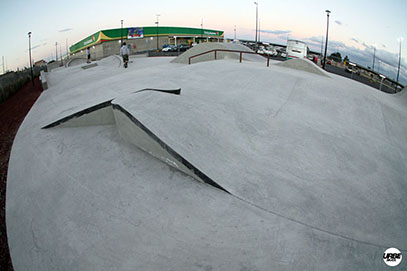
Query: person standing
(124, 52)
(88, 54)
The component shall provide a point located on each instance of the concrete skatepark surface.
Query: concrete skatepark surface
(315, 168)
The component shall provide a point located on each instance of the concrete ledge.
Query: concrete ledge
(43, 79)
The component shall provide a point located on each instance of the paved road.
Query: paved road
(364, 80)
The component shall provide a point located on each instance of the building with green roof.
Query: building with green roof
(142, 39)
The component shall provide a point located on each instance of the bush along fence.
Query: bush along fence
(11, 82)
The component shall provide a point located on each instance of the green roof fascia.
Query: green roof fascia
(184, 31)
(86, 42)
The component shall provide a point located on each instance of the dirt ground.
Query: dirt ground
(12, 114)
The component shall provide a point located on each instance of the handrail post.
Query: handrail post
(189, 61)
(268, 60)
(215, 54)
(241, 57)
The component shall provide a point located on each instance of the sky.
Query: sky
(355, 27)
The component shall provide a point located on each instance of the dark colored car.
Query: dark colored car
(182, 47)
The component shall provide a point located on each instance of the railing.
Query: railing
(231, 51)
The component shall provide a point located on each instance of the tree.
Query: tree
(336, 56)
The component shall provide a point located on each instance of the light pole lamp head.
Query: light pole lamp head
(327, 12)
(29, 34)
(256, 3)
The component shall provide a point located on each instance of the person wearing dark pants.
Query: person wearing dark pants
(124, 52)
(88, 54)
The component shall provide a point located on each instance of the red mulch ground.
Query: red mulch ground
(12, 114)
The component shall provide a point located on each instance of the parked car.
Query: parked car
(182, 47)
(351, 70)
(169, 48)
(270, 52)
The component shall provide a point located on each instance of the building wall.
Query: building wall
(135, 45)
(96, 53)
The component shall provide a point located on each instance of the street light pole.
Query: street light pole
(60, 53)
(201, 29)
(121, 35)
(398, 70)
(381, 81)
(157, 29)
(235, 32)
(374, 56)
(31, 65)
(257, 6)
(259, 31)
(66, 47)
(322, 45)
(326, 42)
(56, 52)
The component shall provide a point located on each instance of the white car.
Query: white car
(270, 52)
(170, 48)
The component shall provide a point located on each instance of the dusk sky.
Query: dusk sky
(356, 27)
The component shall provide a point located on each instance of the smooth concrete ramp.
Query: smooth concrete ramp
(303, 64)
(208, 46)
(114, 61)
(402, 95)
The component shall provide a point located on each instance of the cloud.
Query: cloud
(65, 30)
(367, 46)
(277, 32)
(283, 38)
(37, 46)
(355, 40)
(338, 22)
(316, 39)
